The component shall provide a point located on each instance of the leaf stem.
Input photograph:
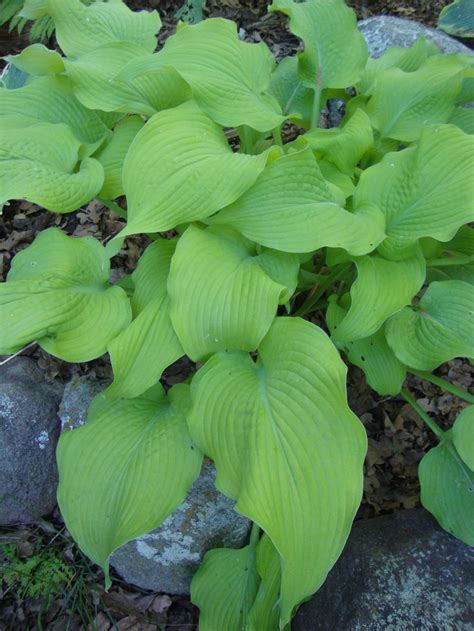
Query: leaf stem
(444, 385)
(313, 298)
(254, 535)
(434, 427)
(114, 208)
(455, 260)
(276, 133)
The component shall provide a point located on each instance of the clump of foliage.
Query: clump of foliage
(365, 225)
(41, 575)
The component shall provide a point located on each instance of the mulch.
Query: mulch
(397, 437)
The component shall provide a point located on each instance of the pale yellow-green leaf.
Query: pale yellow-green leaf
(57, 293)
(335, 52)
(112, 155)
(446, 489)
(290, 208)
(41, 163)
(383, 371)
(180, 168)
(295, 99)
(149, 344)
(221, 296)
(463, 436)
(37, 60)
(425, 190)
(80, 28)
(286, 446)
(265, 612)
(381, 289)
(439, 328)
(124, 471)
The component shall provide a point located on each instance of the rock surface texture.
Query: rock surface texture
(29, 430)
(77, 397)
(384, 31)
(397, 572)
(166, 559)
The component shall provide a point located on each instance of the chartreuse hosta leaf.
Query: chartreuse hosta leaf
(124, 471)
(228, 297)
(290, 208)
(112, 156)
(463, 117)
(343, 146)
(57, 293)
(80, 28)
(436, 330)
(403, 103)
(51, 100)
(425, 190)
(93, 75)
(265, 611)
(381, 289)
(41, 163)
(224, 588)
(181, 168)
(383, 371)
(37, 60)
(295, 99)
(228, 77)
(149, 344)
(335, 52)
(286, 446)
(447, 478)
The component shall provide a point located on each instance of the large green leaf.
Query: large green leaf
(265, 612)
(286, 446)
(422, 191)
(403, 103)
(295, 99)
(222, 295)
(228, 77)
(40, 163)
(149, 344)
(458, 18)
(224, 588)
(93, 77)
(51, 100)
(80, 28)
(463, 436)
(290, 208)
(112, 155)
(335, 52)
(180, 168)
(343, 146)
(124, 471)
(37, 60)
(439, 328)
(463, 117)
(446, 489)
(381, 289)
(383, 371)
(57, 294)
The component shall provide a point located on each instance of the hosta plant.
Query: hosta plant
(273, 259)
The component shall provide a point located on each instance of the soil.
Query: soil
(398, 438)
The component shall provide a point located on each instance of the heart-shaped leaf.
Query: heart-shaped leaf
(381, 289)
(57, 293)
(124, 471)
(436, 330)
(228, 297)
(286, 446)
(335, 52)
(290, 208)
(423, 190)
(149, 344)
(180, 168)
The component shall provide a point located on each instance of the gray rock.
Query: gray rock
(77, 397)
(29, 430)
(165, 559)
(397, 572)
(384, 31)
